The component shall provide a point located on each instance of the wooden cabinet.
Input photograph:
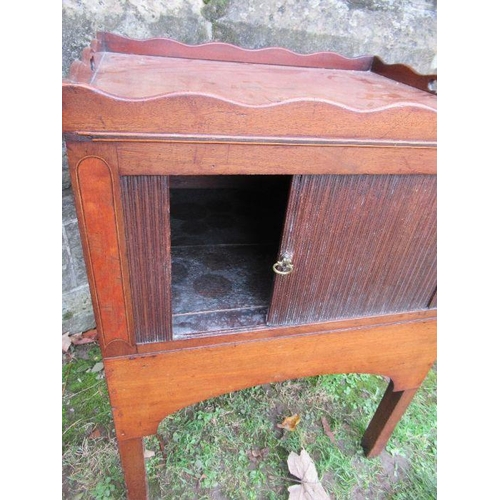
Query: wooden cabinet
(248, 217)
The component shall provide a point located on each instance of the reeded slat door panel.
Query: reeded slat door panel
(360, 245)
(146, 210)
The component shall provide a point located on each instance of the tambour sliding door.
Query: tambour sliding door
(146, 211)
(352, 246)
(359, 245)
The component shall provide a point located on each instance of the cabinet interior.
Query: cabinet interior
(225, 237)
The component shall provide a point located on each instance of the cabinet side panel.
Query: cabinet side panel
(360, 245)
(97, 197)
(145, 202)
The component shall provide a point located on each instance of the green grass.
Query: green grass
(85, 399)
(231, 448)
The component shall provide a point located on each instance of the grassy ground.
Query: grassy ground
(231, 448)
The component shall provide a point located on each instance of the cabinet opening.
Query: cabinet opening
(225, 237)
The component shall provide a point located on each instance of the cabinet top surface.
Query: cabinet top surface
(141, 69)
(163, 86)
(141, 76)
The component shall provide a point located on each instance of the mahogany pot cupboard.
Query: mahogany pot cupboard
(251, 216)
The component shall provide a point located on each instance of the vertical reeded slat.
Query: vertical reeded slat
(360, 245)
(433, 301)
(147, 227)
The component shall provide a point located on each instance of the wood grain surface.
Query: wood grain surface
(360, 245)
(88, 110)
(359, 138)
(169, 157)
(96, 186)
(146, 211)
(217, 51)
(146, 388)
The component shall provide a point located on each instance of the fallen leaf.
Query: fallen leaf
(255, 454)
(90, 334)
(149, 453)
(302, 467)
(96, 433)
(66, 342)
(79, 339)
(327, 429)
(68, 357)
(289, 423)
(97, 367)
(161, 443)
(301, 492)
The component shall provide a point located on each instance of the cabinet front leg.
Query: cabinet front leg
(388, 414)
(134, 471)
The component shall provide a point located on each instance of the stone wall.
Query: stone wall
(399, 31)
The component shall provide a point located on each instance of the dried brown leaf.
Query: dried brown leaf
(290, 423)
(66, 342)
(256, 454)
(90, 334)
(302, 467)
(162, 444)
(306, 492)
(327, 429)
(79, 339)
(95, 434)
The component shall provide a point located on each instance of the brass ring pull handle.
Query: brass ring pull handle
(283, 266)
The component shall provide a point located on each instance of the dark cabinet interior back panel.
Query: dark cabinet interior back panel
(360, 245)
